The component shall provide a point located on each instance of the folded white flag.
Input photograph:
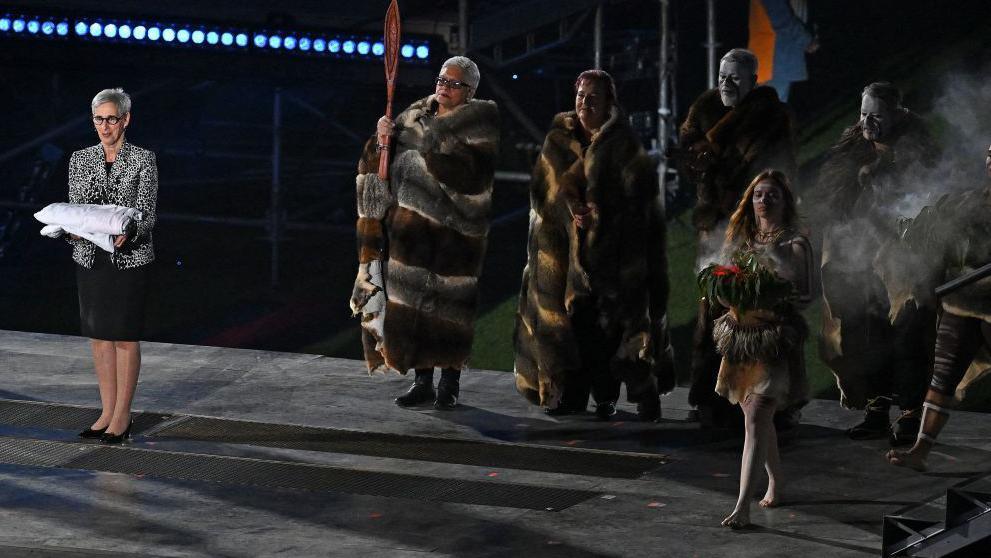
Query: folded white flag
(96, 223)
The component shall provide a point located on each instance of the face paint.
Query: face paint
(876, 118)
(735, 82)
(987, 163)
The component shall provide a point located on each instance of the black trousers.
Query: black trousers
(596, 347)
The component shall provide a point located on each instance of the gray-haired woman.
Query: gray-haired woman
(112, 286)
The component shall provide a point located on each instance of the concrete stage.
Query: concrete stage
(358, 476)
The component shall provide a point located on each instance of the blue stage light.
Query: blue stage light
(82, 28)
(168, 34)
(407, 51)
(211, 38)
(110, 30)
(304, 44)
(364, 47)
(95, 29)
(227, 39)
(198, 37)
(319, 45)
(4, 24)
(275, 41)
(289, 43)
(33, 26)
(140, 32)
(241, 40)
(182, 35)
(124, 31)
(348, 47)
(62, 28)
(261, 40)
(378, 49)
(333, 45)
(422, 52)
(154, 33)
(18, 25)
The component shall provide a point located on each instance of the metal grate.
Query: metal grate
(420, 448)
(30, 414)
(277, 474)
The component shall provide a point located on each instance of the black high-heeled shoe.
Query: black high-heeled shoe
(108, 438)
(91, 434)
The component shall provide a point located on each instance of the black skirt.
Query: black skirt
(111, 300)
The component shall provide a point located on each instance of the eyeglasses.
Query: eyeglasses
(451, 83)
(112, 120)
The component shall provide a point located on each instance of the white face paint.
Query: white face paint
(987, 163)
(735, 82)
(876, 117)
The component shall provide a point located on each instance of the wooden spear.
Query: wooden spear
(392, 34)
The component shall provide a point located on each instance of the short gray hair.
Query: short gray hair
(469, 71)
(742, 56)
(115, 96)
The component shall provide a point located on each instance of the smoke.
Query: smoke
(960, 120)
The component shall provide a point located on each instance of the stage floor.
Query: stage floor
(244, 453)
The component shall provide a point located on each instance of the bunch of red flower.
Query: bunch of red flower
(724, 270)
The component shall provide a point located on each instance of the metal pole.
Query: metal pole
(463, 26)
(663, 108)
(597, 41)
(276, 209)
(711, 44)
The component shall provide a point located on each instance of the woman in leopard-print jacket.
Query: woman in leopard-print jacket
(113, 286)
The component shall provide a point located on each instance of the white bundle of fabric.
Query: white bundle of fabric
(96, 223)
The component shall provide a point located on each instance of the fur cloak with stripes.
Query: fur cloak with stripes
(428, 227)
(620, 260)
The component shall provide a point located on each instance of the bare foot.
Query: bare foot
(101, 423)
(737, 520)
(913, 459)
(770, 500)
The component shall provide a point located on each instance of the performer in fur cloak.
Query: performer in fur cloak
(731, 134)
(944, 242)
(592, 308)
(422, 235)
(877, 353)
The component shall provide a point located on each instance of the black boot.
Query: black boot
(875, 424)
(905, 430)
(422, 390)
(605, 410)
(649, 406)
(447, 389)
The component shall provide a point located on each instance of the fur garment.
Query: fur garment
(429, 225)
(744, 141)
(945, 241)
(862, 334)
(619, 262)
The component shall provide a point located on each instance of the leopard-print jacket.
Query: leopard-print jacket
(133, 182)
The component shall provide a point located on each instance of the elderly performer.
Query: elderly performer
(112, 286)
(422, 235)
(731, 133)
(878, 354)
(592, 309)
(950, 239)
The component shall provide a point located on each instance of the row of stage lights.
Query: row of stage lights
(197, 36)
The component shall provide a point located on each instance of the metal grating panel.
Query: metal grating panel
(40, 453)
(30, 414)
(420, 448)
(277, 474)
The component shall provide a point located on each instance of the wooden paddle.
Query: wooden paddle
(392, 35)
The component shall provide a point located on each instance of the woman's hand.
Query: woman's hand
(586, 215)
(74, 237)
(385, 127)
(119, 240)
